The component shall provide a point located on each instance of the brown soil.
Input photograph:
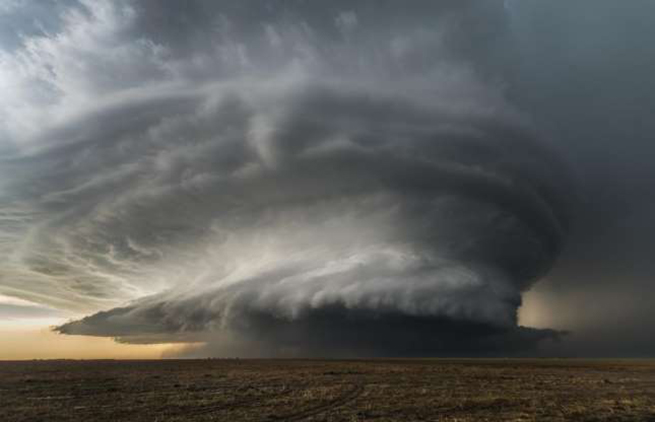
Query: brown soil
(328, 390)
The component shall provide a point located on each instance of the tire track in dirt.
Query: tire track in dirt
(231, 405)
(349, 396)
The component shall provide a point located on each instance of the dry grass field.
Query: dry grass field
(326, 390)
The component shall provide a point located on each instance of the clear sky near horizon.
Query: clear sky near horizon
(343, 178)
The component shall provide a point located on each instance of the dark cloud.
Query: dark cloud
(585, 71)
(349, 178)
(271, 170)
(332, 330)
(354, 206)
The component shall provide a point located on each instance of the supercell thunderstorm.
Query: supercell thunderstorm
(279, 178)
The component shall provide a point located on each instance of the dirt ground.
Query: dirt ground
(328, 390)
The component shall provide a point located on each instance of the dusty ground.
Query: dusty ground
(306, 390)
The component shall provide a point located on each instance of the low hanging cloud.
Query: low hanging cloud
(278, 178)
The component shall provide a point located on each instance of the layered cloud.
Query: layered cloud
(304, 178)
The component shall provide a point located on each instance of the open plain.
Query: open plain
(330, 390)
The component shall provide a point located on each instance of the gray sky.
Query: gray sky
(393, 177)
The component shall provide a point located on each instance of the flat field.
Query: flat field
(328, 390)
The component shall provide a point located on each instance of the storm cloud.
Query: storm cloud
(283, 177)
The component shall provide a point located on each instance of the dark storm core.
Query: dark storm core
(289, 178)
